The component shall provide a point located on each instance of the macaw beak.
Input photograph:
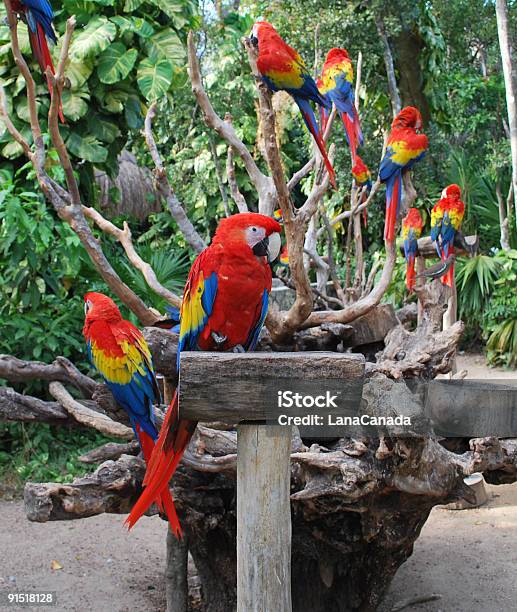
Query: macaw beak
(253, 40)
(275, 244)
(268, 247)
(261, 249)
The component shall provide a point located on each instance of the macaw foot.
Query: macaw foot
(238, 349)
(218, 339)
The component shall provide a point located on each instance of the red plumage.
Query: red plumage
(227, 291)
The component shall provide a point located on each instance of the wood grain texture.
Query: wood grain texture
(263, 519)
(235, 387)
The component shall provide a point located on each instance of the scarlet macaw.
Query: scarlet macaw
(446, 218)
(337, 84)
(363, 178)
(282, 69)
(405, 147)
(119, 352)
(224, 306)
(39, 16)
(411, 232)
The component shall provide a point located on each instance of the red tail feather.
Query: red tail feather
(321, 146)
(164, 499)
(41, 51)
(391, 211)
(174, 437)
(351, 131)
(410, 274)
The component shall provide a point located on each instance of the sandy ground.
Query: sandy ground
(468, 557)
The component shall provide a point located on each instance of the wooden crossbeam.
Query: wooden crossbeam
(232, 387)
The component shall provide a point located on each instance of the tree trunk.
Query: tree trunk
(501, 10)
(408, 45)
(390, 69)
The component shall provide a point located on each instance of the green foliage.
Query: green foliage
(44, 453)
(500, 317)
(124, 54)
(475, 279)
(40, 260)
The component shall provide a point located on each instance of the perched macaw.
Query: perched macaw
(446, 218)
(411, 232)
(282, 69)
(224, 306)
(337, 84)
(362, 178)
(405, 147)
(119, 352)
(284, 256)
(39, 16)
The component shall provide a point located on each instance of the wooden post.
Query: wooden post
(450, 317)
(176, 577)
(263, 518)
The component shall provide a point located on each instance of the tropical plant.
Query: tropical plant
(500, 317)
(125, 54)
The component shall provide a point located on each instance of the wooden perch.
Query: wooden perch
(62, 370)
(88, 417)
(113, 487)
(427, 248)
(17, 407)
(205, 392)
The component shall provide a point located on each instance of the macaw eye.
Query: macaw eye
(253, 229)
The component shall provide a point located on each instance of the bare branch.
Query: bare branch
(358, 74)
(362, 306)
(87, 416)
(15, 407)
(62, 370)
(53, 115)
(165, 189)
(10, 126)
(124, 237)
(237, 196)
(261, 182)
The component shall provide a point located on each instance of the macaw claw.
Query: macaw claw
(217, 338)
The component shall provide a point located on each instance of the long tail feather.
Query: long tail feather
(41, 51)
(448, 277)
(312, 126)
(353, 131)
(393, 197)
(410, 274)
(174, 437)
(164, 499)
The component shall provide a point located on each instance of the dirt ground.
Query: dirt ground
(467, 557)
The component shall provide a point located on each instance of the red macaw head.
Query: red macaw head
(452, 191)
(408, 117)
(413, 219)
(249, 233)
(360, 169)
(261, 29)
(99, 306)
(336, 55)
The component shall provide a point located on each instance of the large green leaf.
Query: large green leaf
(102, 128)
(154, 78)
(79, 72)
(167, 44)
(174, 9)
(96, 37)
(75, 104)
(88, 148)
(115, 63)
(131, 5)
(138, 25)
